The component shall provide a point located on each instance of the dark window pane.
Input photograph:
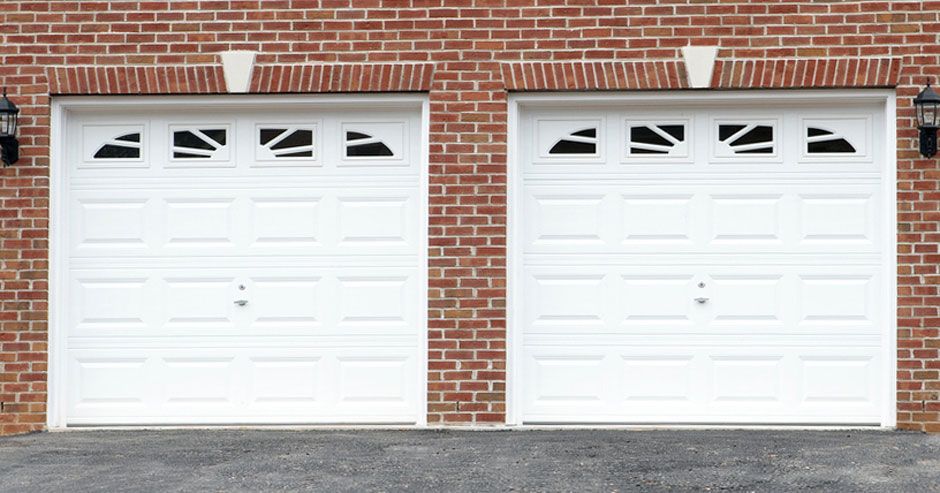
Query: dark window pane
(186, 155)
(216, 134)
(129, 137)
(297, 154)
(637, 150)
(829, 146)
(763, 150)
(188, 139)
(588, 132)
(645, 135)
(572, 147)
(373, 150)
(109, 151)
(268, 134)
(297, 139)
(757, 135)
(726, 131)
(814, 132)
(356, 136)
(677, 131)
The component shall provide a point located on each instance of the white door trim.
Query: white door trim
(520, 101)
(57, 380)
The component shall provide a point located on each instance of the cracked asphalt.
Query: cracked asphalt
(471, 461)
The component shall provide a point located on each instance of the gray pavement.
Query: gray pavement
(470, 461)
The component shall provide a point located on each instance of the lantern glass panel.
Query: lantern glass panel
(929, 117)
(8, 124)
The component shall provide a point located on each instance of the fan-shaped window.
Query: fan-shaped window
(747, 138)
(198, 144)
(656, 139)
(822, 141)
(126, 146)
(580, 142)
(359, 144)
(287, 142)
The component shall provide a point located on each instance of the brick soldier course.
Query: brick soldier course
(467, 55)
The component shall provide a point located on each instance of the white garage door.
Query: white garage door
(258, 264)
(719, 265)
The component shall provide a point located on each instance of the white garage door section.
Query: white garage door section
(717, 265)
(261, 264)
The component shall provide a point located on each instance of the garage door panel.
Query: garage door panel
(665, 219)
(716, 265)
(107, 224)
(111, 303)
(172, 303)
(721, 218)
(115, 382)
(700, 384)
(362, 220)
(199, 223)
(656, 301)
(286, 303)
(195, 303)
(770, 299)
(244, 265)
(306, 143)
(571, 379)
(242, 385)
(291, 380)
(197, 381)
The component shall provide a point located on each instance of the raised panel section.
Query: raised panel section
(374, 221)
(573, 380)
(102, 382)
(837, 219)
(651, 300)
(568, 219)
(836, 300)
(110, 223)
(290, 222)
(746, 219)
(365, 380)
(286, 302)
(119, 304)
(375, 302)
(199, 223)
(657, 219)
(845, 380)
(198, 381)
(198, 303)
(750, 301)
(574, 301)
(285, 380)
(657, 379)
(744, 379)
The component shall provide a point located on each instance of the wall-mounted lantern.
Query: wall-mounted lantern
(9, 146)
(927, 104)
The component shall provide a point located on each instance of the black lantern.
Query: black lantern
(927, 104)
(9, 146)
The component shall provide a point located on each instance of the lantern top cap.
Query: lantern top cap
(928, 95)
(7, 106)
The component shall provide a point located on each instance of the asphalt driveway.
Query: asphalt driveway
(471, 461)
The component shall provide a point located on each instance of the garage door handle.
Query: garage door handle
(241, 302)
(701, 300)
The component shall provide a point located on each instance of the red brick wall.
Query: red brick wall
(468, 43)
